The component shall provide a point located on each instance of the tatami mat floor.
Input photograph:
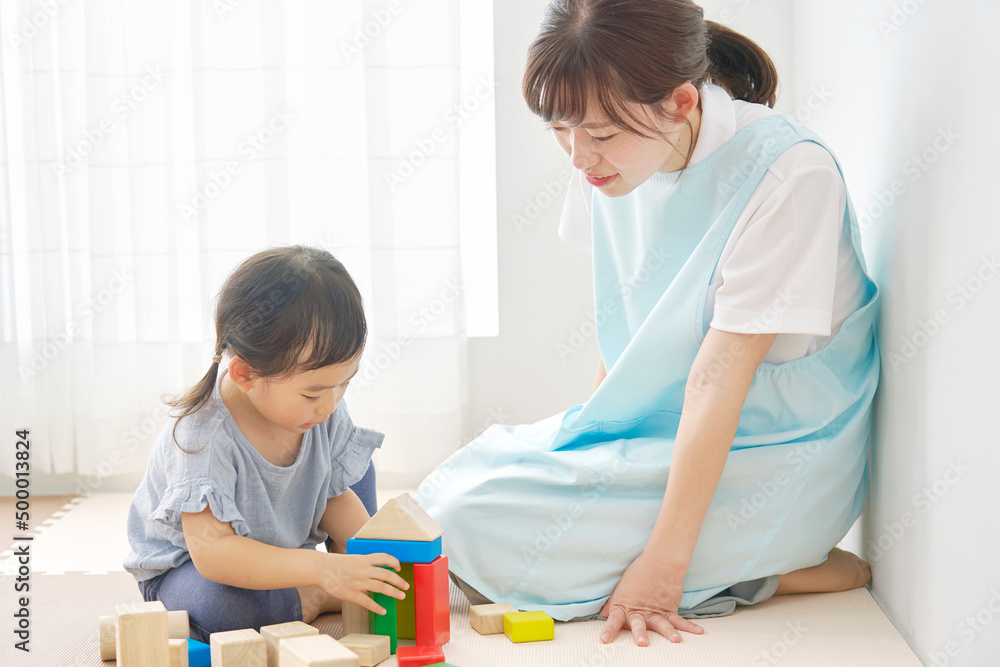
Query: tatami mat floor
(77, 576)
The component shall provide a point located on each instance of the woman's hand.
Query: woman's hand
(647, 598)
(351, 577)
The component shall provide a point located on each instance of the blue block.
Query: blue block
(403, 550)
(199, 654)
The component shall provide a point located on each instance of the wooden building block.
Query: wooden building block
(273, 634)
(178, 652)
(528, 626)
(238, 648)
(403, 551)
(419, 656)
(371, 649)
(406, 618)
(430, 583)
(142, 635)
(315, 651)
(384, 625)
(401, 518)
(487, 619)
(355, 618)
(178, 627)
(199, 654)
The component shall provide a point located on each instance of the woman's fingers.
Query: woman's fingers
(662, 626)
(615, 622)
(682, 623)
(638, 625)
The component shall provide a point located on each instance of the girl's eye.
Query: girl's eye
(311, 398)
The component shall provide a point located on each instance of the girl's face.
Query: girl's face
(300, 401)
(617, 161)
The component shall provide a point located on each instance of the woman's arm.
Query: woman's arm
(649, 593)
(224, 557)
(716, 390)
(601, 374)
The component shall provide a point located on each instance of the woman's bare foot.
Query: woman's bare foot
(842, 571)
(316, 601)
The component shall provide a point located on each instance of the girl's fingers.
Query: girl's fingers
(638, 625)
(390, 577)
(367, 602)
(615, 622)
(386, 589)
(384, 560)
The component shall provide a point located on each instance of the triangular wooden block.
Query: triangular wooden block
(401, 518)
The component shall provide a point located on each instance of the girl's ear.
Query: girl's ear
(241, 374)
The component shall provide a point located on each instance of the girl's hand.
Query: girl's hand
(351, 577)
(647, 598)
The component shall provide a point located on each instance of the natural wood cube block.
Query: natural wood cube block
(273, 634)
(238, 648)
(178, 652)
(487, 619)
(142, 634)
(371, 649)
(315, 651)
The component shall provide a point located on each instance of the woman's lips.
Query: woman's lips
(600, 182)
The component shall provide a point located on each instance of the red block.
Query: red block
(430, 597)
(418, 656)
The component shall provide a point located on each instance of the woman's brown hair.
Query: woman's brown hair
(283, 311)
(623, 51)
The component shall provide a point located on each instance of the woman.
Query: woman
(723, 452)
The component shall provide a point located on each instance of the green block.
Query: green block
(384, 625)
(442, 664)
(406, 613)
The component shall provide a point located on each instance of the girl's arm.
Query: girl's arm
(713, 399)
(650, 590)
(224, 557)
(344, 516)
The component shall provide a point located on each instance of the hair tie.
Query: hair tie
(217, 359)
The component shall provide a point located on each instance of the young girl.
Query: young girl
(723, 452)
(257, 468)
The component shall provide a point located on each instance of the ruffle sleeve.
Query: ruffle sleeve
(352, 461)
(193, 495)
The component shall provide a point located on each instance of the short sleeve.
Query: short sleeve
(194, 495)
(575, 222)
(351, 449)
(781, 273)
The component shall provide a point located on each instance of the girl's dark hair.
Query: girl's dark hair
(283, 311)
(623, 51)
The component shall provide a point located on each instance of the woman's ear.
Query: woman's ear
(682, 102)
(241, 374)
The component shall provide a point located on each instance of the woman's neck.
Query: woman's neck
(687, 140)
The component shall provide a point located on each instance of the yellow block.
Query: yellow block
(529, 626)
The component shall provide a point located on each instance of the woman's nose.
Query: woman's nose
(581, 153)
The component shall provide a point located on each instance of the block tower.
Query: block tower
(401, 528)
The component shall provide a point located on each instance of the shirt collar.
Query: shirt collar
(718, 122)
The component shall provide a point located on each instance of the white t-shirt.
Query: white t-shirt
(789, 241)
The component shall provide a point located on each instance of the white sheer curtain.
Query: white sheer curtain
(147, 147)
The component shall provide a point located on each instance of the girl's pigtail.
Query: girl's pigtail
(740, 66)
(196, 397)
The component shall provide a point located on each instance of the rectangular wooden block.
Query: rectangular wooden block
(238, 648)
(142, 635)
(355, 618)
(315, 651)
(528, 626)
(419, 656)
(487, 619)
(404, 551)
(178, 627)
(178, 652)
(273, 634)
(430, 583)
(406, 618)
(371, 649)
(384, 625)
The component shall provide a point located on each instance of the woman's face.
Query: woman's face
(617, 161)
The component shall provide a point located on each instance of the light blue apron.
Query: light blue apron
(548, 515)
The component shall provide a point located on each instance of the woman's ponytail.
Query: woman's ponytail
(740, 66)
